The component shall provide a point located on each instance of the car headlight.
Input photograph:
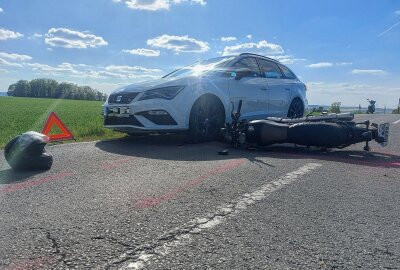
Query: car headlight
(168, 92)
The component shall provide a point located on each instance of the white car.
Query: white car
(200, 98)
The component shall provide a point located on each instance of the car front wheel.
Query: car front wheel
(296, 109)
(206, 120)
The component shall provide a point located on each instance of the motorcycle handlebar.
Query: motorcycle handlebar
(239, 106)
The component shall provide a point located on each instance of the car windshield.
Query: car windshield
(201, 67)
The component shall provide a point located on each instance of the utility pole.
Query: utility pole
(398, 107)
(384, 110)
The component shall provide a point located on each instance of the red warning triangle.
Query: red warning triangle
(54, 119)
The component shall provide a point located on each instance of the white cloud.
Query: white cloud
(128, 69)
(228, 39)
(249, 36)
(344, 64)
(8, 34)
(320, 65)
(153, 5)
(328, 64)
(82, 71)
(262, 47)
(201, 2)
(67, 38)
(15, 57)
(4, 62)
(286, 59)
(144, 52)
(150, 5)
(64, 68)
(1, 10)
(368, 71)
(179, 44)
(35, 36)
(397, 12)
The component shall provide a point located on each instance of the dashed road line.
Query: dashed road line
(396, 122)
(170, 241)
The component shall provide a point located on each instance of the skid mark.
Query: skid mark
(38, 263)
(153, 201)
(34, 182)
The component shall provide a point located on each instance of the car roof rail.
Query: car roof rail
(258, 55)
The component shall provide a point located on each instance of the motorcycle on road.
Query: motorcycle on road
(326, 131)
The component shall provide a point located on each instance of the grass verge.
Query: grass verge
(83, 118)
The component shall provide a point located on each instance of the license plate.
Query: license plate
(383, 131)
(118, 111)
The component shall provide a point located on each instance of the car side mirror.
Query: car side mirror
(241, 73)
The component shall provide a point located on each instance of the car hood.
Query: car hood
(147, 85)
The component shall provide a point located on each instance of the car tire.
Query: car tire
(296, 109)
(207, 117)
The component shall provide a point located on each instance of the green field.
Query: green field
(83, 118)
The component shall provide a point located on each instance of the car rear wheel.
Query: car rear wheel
(296, 109)
(206, 120)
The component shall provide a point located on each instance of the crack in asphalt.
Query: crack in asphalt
(164, 244)
(54, 244)
(112, 240)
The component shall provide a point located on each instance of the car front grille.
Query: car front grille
(114, 121)
(123, 98)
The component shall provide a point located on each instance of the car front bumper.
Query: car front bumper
(147, 116)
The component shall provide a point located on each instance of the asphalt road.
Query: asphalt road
(156, 203)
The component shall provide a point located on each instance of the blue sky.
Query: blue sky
(344, 51)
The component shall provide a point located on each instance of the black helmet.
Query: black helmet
(26, 152)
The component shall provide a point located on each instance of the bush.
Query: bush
(335, 107)
(396, 111)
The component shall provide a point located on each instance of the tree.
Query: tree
(335, 107)
(48, 88)
(22, 89)
(11, 89)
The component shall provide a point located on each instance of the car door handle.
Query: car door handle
(288, 89)
(264, 88)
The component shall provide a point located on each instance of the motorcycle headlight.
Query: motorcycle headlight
(168, 92)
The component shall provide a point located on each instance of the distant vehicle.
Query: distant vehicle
(199, 98)
(371, 106)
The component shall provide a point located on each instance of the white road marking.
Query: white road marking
(396, 122)
(142, 256)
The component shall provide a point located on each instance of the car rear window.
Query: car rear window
(270, 69)
(287, 72)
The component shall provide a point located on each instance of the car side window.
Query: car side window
(288, 74)
(270, 69)
(249, 63)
